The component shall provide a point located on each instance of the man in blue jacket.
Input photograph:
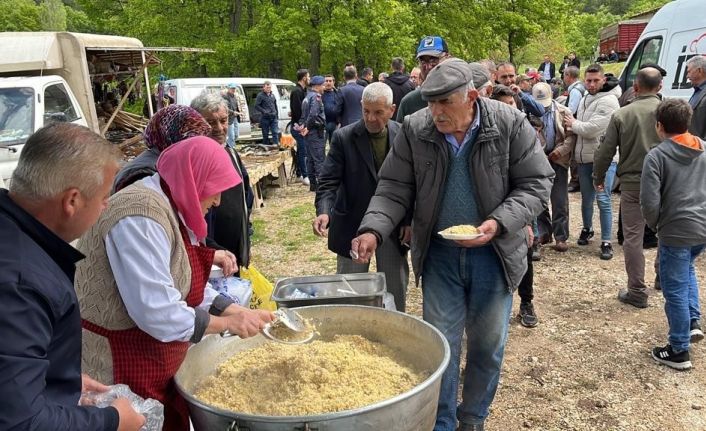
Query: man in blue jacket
(332, 105)
(59, 188)
(314, 124)
(266, 107)
(351, 96)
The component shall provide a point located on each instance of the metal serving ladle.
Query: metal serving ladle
(289, 318)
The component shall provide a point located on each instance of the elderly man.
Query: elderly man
(631, 131)
(266, 108)
(347, 182)
(431, 51)
(463, 161)
(696, 72)
(229, 224)
(58, 190)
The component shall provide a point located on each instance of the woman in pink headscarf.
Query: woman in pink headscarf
(142, 287)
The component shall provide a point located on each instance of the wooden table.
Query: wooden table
(263, 168)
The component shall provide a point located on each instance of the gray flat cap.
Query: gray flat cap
(445, 78)
(481, 75)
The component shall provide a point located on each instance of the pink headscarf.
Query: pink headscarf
(195, 169)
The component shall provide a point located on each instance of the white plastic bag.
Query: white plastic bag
(152, 410)
(388, 302)
(237, 289)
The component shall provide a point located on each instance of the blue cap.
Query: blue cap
(317, 80)
(232, 85)
(432, 45)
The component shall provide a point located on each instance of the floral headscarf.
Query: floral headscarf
(173, 124)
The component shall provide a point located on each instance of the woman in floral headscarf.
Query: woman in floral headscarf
(168, 126)
(142, 286)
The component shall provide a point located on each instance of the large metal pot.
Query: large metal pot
(415, 410)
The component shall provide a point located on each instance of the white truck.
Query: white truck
(50, 76)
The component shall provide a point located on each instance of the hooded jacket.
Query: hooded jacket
(673, 191)
(592, 119)
(401, 86)
(505, 163)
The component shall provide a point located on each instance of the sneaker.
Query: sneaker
(585, 235)
(658, 285)
(305, 181)
(561, 246)
(527, 317)
(625, 297)
(536, 252)
(606, 251)
(696, 333)
(470, 427)
(666, 356)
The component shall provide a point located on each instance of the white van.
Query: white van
(675, 34)
(281, 88)
(187, 89)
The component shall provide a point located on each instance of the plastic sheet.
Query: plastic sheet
(237, 289)
(152, 410)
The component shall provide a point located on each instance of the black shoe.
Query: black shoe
(585, 235)
(606, 251)
(536, 252)
(649, 244)
(573, 188)
(658, 285)
(666, 356)
(470, 427)
(527, 317)
(696, 333)
(625, 297)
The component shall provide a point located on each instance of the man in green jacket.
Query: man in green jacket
(632, 131)
(464, 160)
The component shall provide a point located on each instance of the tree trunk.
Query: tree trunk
(315, 49)
(251, 14)
(511, 47)
(236, 14)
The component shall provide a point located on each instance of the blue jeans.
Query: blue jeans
(588, 194)
(465, 288)
(681, 291)
(301, 153)
(233, 133)
(269, 124)
(330, 128)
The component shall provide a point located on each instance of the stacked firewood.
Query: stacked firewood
(129, 122)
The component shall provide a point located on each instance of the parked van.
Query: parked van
(281, 88)
(675, 34)
(187, 89)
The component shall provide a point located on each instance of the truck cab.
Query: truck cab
(27, 104)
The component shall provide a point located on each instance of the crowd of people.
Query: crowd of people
(452, 143)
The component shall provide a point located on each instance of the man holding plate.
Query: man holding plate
(464, 160)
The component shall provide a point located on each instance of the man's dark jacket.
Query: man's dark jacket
(552, 69)
(266, 105)
(229, 222)
(351, 96)
(295, 102)
(401, 86)
(40, 330)
(347, 183)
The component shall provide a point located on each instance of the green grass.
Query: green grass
(258, 235)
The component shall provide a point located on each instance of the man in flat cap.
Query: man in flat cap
(464, 160)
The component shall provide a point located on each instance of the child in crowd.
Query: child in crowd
(672, 196)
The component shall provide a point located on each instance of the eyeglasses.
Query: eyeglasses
(432, 61)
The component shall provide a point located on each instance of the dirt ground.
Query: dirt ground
(586, 366)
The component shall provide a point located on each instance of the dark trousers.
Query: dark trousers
(316, 152)
(558, 222)
(301, 153)
(330, 128)
(574, 182)
(526, 287)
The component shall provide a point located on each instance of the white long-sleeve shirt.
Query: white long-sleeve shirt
(139, 253)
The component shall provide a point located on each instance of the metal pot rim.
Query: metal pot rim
(344, 413)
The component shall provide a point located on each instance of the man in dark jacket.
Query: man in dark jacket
(313, 121)
(295, 108)
(464, 160)
(58, 190)
(399, 82)
(233, 114)
(266, 107)
(547, 70)
(332, 105)
(229, 223)
(351, 95)
(696, 72)
(346, 184)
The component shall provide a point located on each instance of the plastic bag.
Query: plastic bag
(261, 289)
(237, 289)
(388, 302)
(152, 410)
